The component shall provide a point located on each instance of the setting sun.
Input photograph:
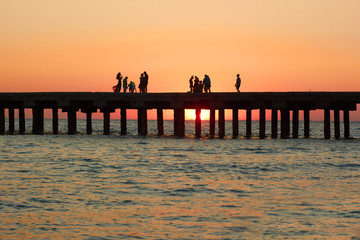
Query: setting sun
(190, 114)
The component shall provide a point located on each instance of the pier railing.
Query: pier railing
(89, 102)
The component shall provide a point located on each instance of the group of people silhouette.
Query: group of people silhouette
(123, 82)
(196, 86)
(144, 79)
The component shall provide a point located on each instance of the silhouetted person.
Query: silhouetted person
(146, 81)
(201, 86)
(142, 83)
(207, 83)
(132, 87)
(238, 82)
(125, 85)
(117, 87)
(196, 87)
(191, 84)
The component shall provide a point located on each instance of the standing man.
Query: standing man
(238, 82)
(207, 83)
(146, 80)
(125, 85)
(191, 84)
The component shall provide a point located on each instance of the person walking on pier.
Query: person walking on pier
(117, 88)
(207, 83)
(125, 85)
(238, 82)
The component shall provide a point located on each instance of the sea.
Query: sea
(97, 187)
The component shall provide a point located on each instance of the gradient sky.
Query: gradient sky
(279, 45)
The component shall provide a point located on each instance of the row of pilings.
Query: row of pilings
(179, 122)
(287, 103)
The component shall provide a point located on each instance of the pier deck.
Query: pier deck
(89, 102)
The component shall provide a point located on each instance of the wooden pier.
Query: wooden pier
(288, 103)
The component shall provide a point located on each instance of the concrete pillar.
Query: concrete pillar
(160, 121)
(176, 123)
(221, 123)
(55, 121)
(106, 114)
(38, 120)
(89, 111)
(248, 123)
(123, 121)
(285, 123)
(274, 123)
(198, 122)
(346, 124)
(21, 120)
(212, 122)
(2, 121)
(295, 125)
(306, 123)
(179, 122)
(262, 123)
(89, 122)
(235, 122)
(337, 123)
(11, 120)
(142, 121)
(71, 121)
(327, 134)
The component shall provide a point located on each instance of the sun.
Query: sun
(190, 114)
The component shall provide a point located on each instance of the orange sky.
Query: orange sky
(278, 45)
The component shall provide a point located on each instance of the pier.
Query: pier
(288, 104)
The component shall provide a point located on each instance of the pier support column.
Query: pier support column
(327, 134)
(337, 123)
(55, 121)
(123, 127)
(295, 125)
(2, 121)
(88, 112)
(274, 123)
(235, 122)
(11, 120)
(221, 123)
(212, 122)
(38, 120)
(285, 123)
(160, 121)
(198, 122)
(106, 113)
(142, 121)
(262, 123)
(21, 120)
(71, 118)
(179, 122)
(306, 123)
(88, 122)
(248, 123)
(346, 124)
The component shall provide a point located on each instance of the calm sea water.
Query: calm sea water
(131, 187)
